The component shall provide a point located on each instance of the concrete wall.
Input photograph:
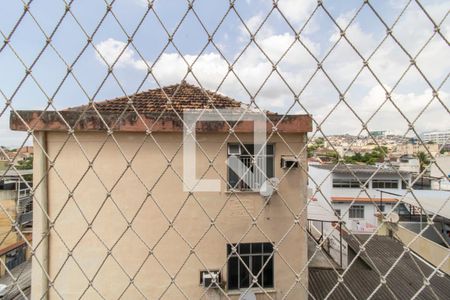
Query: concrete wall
(412, 165)
(150, 249)
(444, 164)
(435, 233)
(7, 212)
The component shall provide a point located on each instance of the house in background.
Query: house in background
(437, 137)
(127, 222)
(341, 191)
(440, 180)
(407, 163)
(361, 212)
(15, 214)
(415, 147)
(422, 219)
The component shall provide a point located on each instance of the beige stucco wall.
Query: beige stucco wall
(432, 252)
(150, 249)
(7, 218)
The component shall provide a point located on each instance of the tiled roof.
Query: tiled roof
(158, 110)
(176, 97)
(362, 278)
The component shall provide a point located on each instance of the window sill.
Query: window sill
(254, 290)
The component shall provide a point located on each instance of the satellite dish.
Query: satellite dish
(249, 295)
(393, 218)
(269, 186)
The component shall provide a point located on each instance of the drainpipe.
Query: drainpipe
(39, 271)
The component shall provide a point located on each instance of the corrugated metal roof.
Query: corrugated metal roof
(15, 173)
(358, 169)
(362, 278)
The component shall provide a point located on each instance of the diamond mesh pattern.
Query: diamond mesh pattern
(113, 269)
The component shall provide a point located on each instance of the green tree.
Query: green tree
(319, 142)
(424, 161)
(26, 164)
(376, 155)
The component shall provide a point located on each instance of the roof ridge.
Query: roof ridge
(184, 95)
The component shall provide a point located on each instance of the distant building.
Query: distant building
(440, 181)
(438, 137)
(379, 133)
(408, 163)
(341, 186)
(413, 149)
(16, 156)
(17, 213)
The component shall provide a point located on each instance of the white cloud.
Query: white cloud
(111, 49)
(297, 66)
(295, 11)
(389, 63)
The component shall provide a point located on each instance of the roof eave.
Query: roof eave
(63, 121)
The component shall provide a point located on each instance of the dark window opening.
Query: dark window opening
(250, 260)
(404, 185)
(255, 176)
(346, 183)
(384, 184)
(356, 212)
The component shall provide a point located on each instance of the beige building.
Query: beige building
(440, 173)
(120, 223)
(413, 149)
(15, 219)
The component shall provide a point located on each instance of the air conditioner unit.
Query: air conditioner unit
(288, 162)
(210, 279)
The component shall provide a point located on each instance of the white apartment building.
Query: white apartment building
(440, 179)
(438, 137)
(340, 190)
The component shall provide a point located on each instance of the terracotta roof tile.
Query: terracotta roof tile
(158, 110)
(176, 97)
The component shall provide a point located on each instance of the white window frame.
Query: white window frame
(355, 209)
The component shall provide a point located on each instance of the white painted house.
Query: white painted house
(440, 173)
(342, 192)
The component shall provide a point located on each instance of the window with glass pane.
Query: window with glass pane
(356, 212)
(250, 260)
(384, 184)
(250, 157)
(346, 183)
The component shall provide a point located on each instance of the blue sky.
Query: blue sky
(253, 69)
